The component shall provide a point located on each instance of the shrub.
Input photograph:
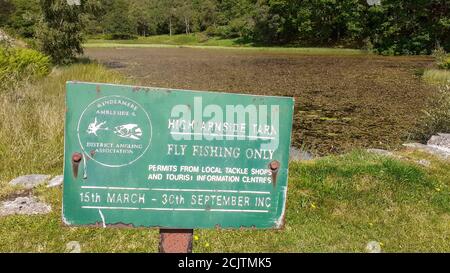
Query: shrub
(442, 58)
(437, 76)
(202, 37)
(224, 32)
(17, 64)
(445, 64)
(212, 31)
(120, 36)
(437, 115)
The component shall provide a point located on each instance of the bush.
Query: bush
(120, 36)
(442, 58)
(202, 37)
(17, 64)
(212, 31)
(437, 115)
(436, 76)
(445, 64)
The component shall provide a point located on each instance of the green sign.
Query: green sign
(154, 157)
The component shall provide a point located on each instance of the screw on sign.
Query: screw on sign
(176, 160)
(274, 166)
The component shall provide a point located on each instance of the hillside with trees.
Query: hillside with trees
(386, 26)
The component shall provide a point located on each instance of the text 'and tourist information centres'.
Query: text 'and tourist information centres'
(168, 158)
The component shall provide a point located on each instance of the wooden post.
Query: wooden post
(175, 240)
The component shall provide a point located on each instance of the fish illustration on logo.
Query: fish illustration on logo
(130, 131)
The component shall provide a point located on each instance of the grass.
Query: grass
(335, 204)
(179, 39)
(201, 41)
(436, 117)
(437, 76)
(32, 122)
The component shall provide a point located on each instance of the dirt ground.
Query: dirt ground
(342, 102)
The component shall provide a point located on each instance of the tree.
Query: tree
(170, 10)
(235, 18)
(186, 13)
(339, 22)
(117, 20)
(140, 17)
(389, 26)
(24, 16)
(309, 22)
(410, 26)
(275, 22)
(94, 14)
(205, 13)
(6, 9)
(60, 30)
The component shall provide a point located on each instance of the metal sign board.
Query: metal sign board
(152, 157)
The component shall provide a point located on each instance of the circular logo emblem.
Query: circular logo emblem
(114, 131)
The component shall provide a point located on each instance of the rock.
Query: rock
(29, 181)
(424, 162)
(441, 140)
(380, 152)
(415, 145)
(438, 145)
(5, 38)
(432, 149)
(24, 205)
(299, 155)
(56, 181)
(73, 247)
(373, 247)
(73, 2)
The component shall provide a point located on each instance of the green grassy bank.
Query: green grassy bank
(202, 41)
(335, 204)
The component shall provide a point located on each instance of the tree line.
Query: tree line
(385, 26)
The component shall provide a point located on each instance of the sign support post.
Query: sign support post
(175, 240)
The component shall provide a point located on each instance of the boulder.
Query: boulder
(380, 152)
(432, 149)
(296, 154)
(73, 247)
(29, 181)
(73, 2)
(24, 205)
(56, 181)
(5, 38)
(373, 247)
(441, 141)
(424, 162)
